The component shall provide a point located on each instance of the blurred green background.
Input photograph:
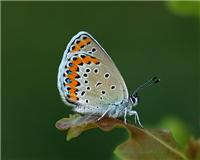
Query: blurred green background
(143, 38)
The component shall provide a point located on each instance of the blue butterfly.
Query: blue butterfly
(89, 81)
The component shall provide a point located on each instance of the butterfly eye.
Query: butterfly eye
(133, 99)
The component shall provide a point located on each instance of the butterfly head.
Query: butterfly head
(134, 99)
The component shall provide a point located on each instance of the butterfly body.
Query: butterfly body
(89, 81)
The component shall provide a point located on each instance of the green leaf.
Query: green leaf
(142, 144)
(184, 8)
(179, 128)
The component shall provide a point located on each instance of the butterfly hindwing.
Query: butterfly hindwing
(88, 78)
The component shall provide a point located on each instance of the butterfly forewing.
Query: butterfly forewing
(87, 77)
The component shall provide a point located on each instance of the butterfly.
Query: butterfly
(89, 81)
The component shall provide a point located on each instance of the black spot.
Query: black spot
(77, 98)
(82, 46)
(73, 47)
(77, 42)
(63, 74)
(101, 98)
(69, 101)
(78, 84)
(77, 70)
(103, 92)
(69, 72)
(65, 66)
(97, 63)
(99, 83)
(86, 81)
(93, 49)
(68, 96)
(89, 62)
(97, 106)
(112, 87)
(86, 101)
(75, 58)
(87, 70)
(64, 83)
(88, 43)
(88, 88)
(67, 80)
(77, 77)
(85, 75)
(82, 93)
(106, 75)
(96, 70)
(80, 64)
(82, 56)
(70, 64)
(68, 88)
(84, 37)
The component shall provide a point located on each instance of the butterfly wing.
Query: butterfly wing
(88, 77)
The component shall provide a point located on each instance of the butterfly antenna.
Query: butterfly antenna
(147, 84)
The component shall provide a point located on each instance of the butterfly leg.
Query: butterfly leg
(125, 113)
(136, 117)
(103, 114)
